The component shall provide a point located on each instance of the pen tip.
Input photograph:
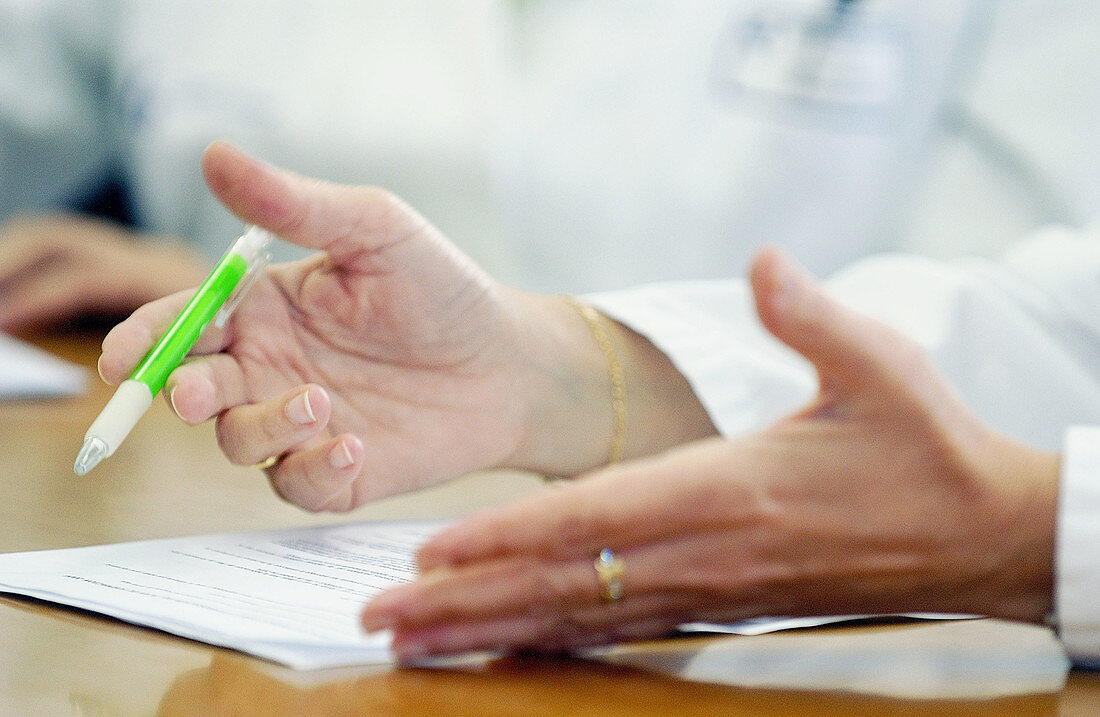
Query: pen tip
(91, 453)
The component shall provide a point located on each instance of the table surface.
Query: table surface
(171, 480)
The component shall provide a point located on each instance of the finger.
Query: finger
(622, 506)
(344, 221)
(320, 477)
(556, 524)
(52, 297)
(250, 433)
(488, 590)
(542, 633)
(847, 348)
(23, 257)
(662, 575)
(126, 344)
(205, 386)
(554, 605)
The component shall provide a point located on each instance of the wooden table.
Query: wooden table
(171, 480)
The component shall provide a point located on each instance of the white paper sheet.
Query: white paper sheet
(292, 596)
(765, 625)
(27, 371)
(958, 659)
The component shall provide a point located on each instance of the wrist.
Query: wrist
(598, 392)
(1018, 550)
(564, 388)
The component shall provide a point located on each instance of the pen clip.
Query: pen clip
(246, 282)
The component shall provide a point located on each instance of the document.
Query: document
(27, 371)
(292, 595)
(955, 659)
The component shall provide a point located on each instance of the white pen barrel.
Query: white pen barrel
(121, 414)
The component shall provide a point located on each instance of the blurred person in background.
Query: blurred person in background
(110, 104)
(564, 146)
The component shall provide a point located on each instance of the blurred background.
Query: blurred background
(567, 145)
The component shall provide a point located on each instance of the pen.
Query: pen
(216, 298)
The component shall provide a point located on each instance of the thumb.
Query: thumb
(344, 221)
(847, 348)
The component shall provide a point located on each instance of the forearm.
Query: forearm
(1015, 553)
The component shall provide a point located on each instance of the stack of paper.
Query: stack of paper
(294, 596)
(27, 371)
(954, 659)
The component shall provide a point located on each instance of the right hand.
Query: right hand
(884, 495)
(386, 363)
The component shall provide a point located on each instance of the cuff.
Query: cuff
(744, 378)
(1077, 551)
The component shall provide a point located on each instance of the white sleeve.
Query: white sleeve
(1077, 556)
(1019, 338)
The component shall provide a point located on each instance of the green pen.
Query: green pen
(216, 298)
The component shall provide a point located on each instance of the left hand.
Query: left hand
(884, 495)
(57, 268)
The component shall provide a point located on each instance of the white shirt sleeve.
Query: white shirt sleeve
(1077, 556)
(1019, 338)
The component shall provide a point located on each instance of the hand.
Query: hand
(59, 268)
(387, 362)
(884, 495)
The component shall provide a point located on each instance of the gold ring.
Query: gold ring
(609, 570)
(267, 462)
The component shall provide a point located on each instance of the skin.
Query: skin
(59, 268)
(389, 362)
(884, 495)
(348, 364)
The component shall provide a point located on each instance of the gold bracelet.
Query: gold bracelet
(597, 325)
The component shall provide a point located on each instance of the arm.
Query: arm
(883, 494)
(388, 362)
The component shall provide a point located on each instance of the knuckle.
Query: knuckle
(227, 433)
(553, 591)
(273, 424)
(568, 628)
(581, 527)
(288, 485)
(279, 486)
(324, 491)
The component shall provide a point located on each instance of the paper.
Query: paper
(764, 625)
(27, 371)
(292, 596)
(967, 659)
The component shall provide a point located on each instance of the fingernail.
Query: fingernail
(172, 400)
(99, 368)
(298, 409)
(340, 456)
